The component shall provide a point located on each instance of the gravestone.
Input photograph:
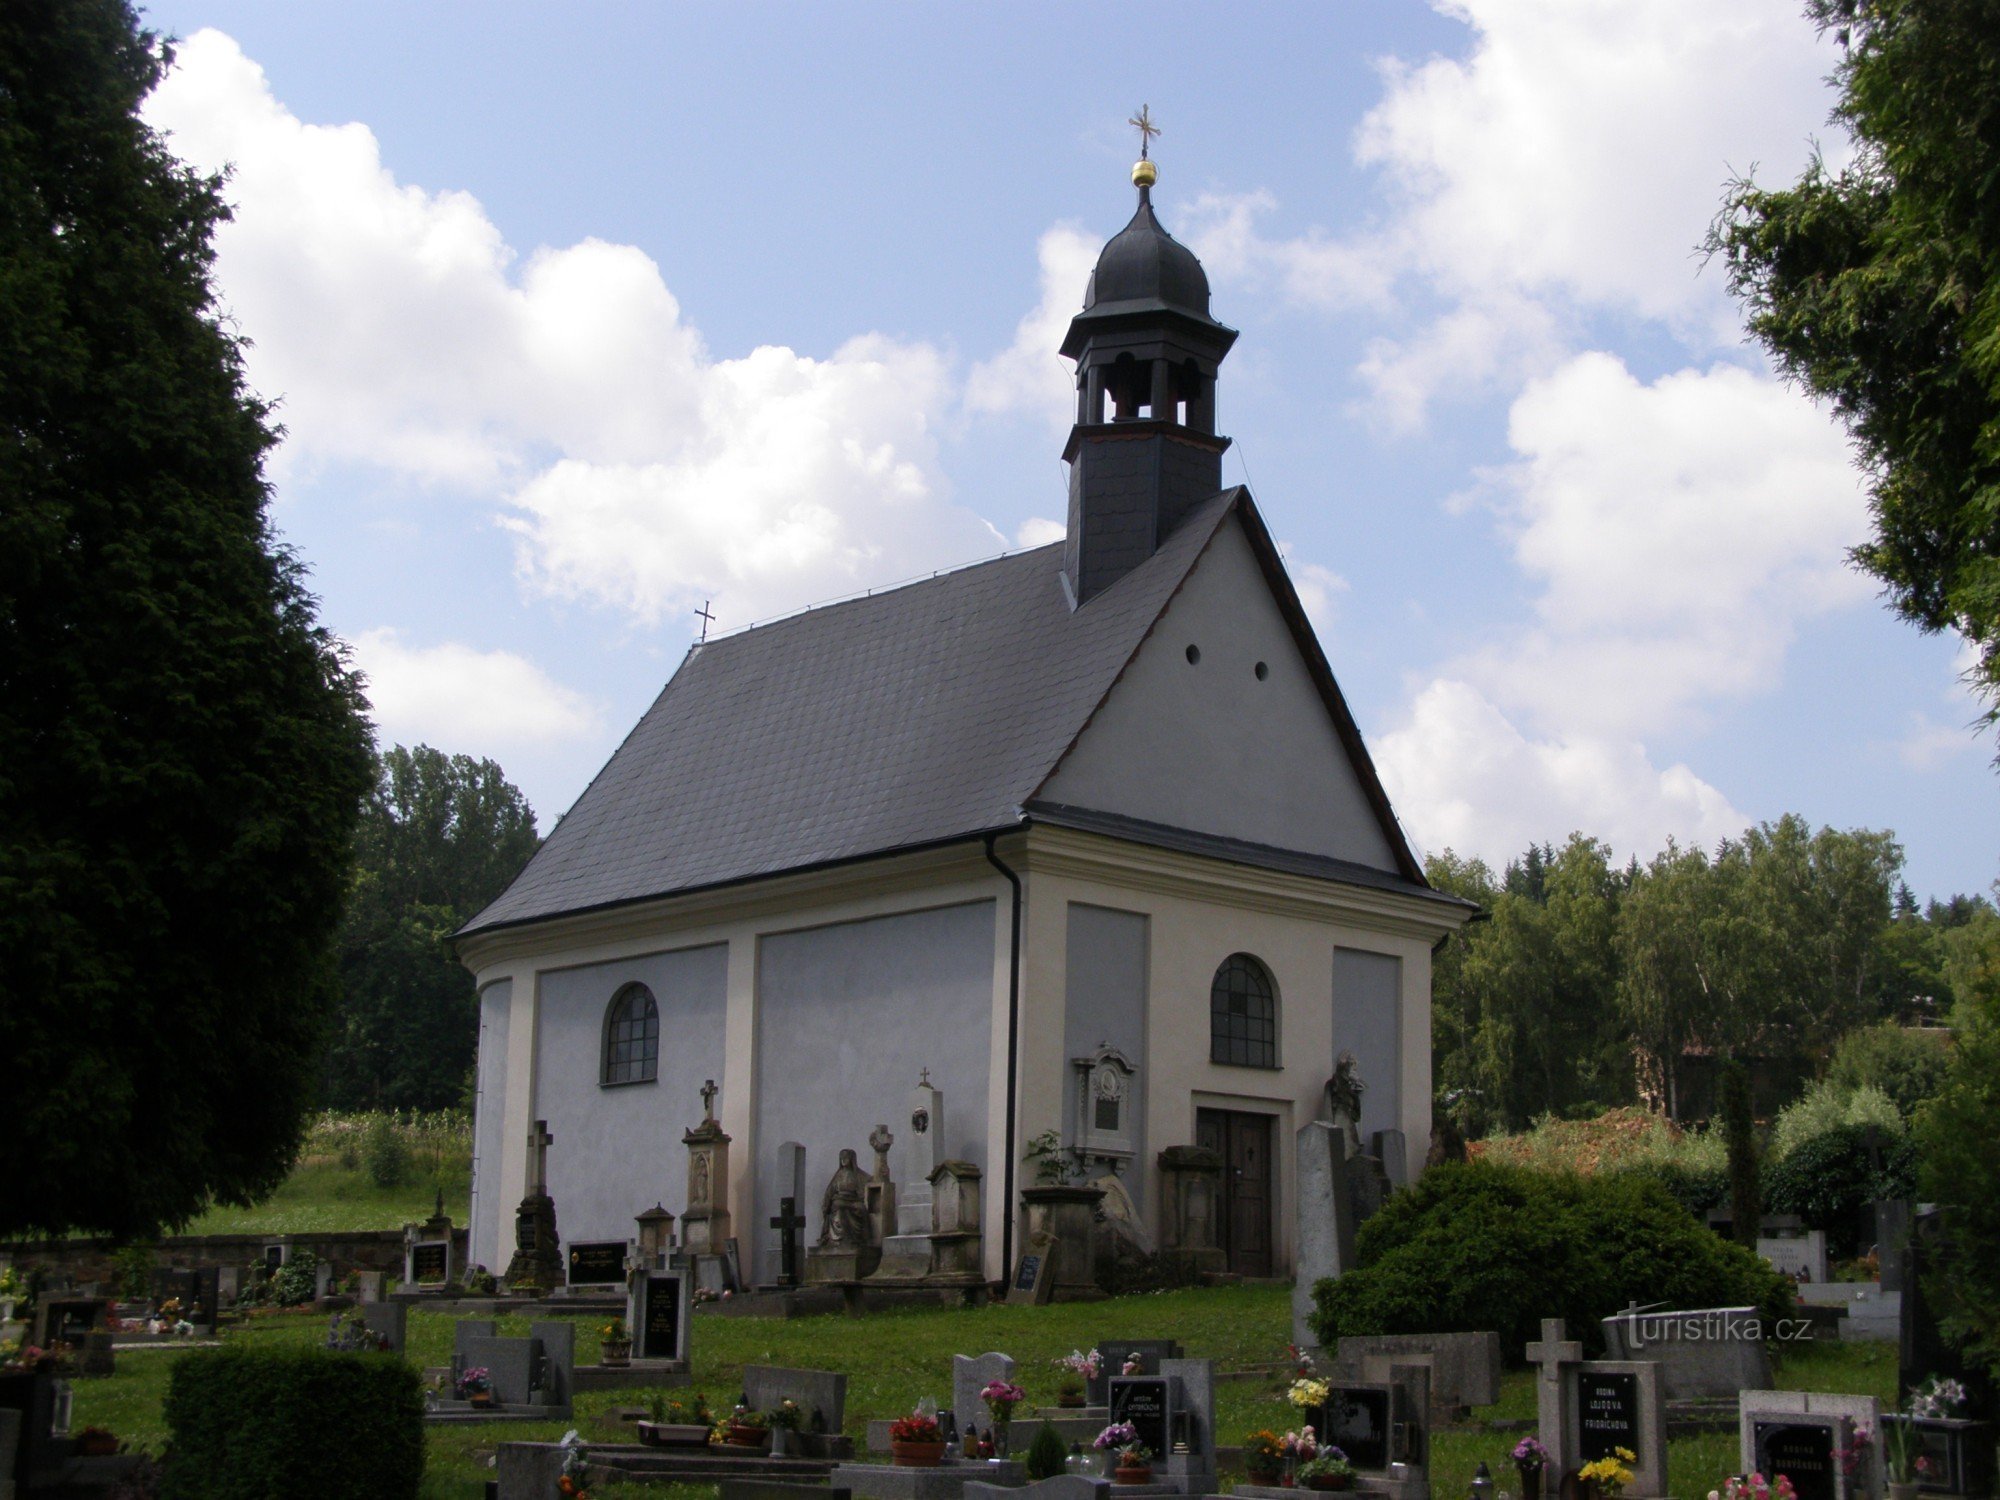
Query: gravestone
(1190, 1190)
(1391, 1148)
(1146, 1402)
(322, 1281)
(1588, 1408)
(511, 1364)
(813, 1391)
(1117, 1353)
(1798, 1428)
(1034, 1279)
(1801, 1256)
(908, 1254)
(1190, 1456)
(969, 1375)
(790, 1225)
(537, 1264)
(1325, 1219)
(705, 1223)
(596, 1263)
(426, 1259)
(1465, 1367)
(1705, 1352)
(1057, 1487)
(556, 1371)
(389, 1320)
(660, 1310)
(467, 1329)
(367, 1287)
(229, 1286)
(881, 1187)
(1360, 1420)
(772, 1262)
(1892, 1237)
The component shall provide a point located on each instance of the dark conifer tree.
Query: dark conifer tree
(182, 751)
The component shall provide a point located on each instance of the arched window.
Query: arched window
(632, 1037)
(1243, 1014)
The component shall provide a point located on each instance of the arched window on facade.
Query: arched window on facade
(632, 1037)
(1243, 1014)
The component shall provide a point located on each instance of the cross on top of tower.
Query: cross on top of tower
(708, 1093)
(1143, 123)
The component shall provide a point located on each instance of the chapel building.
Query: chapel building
(1092, 819)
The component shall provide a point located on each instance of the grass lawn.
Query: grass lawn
(893, 1359)
(325, 1197)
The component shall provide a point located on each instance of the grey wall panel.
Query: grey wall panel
(1368, 1021)
(488, 1107)
(618, 1150)
(1104, 990)
(847, 1018)
(1211, 746)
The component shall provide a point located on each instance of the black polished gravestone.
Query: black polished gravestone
(659, 1330)
(600, 1263)
(1117, 1353)
(1356, 1420)
(430, 1262)
(1145, 1401)
(1607, 1407)
(1802, 1452)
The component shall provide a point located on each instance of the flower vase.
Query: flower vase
(616, 1352)
(1132, 1474)
(1531, 1481)
(1069, 1399)
(908, 1455)
(782, 1439)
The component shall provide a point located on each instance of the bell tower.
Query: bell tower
(1144, 451)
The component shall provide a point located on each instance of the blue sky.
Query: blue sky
(581, 316)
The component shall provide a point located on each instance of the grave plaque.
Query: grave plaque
(1607, 1413)
(430, 1262)
(1030, 1268)
(660, 1331)
(1143, 1401)
(599, 1264)
(1356, 1420)
(1802, 1452)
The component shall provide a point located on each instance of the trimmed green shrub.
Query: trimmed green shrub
(248, 1424)
(1906, 1064)
(1484, 1246)
(1696, 1188)
(1046, 1455)
(295, 1281)
(1830, 1179)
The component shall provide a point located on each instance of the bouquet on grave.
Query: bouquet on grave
(1937, 1399)
(1308, 1393)
(1853, 1453)
(1329, 1463)
(915, 1428)
(1530, 1455)
(475, 1381)
(1263, 1450)
(1756, 1487)
(1611, 1474)
(575, 1468)
(1001, 1397)
(785, 1416)
(1301, 1446)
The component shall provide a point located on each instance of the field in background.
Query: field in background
(363, 1171)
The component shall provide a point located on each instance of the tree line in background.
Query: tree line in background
(1593, 985)
(440, 836)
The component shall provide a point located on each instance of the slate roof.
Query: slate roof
(912, 717)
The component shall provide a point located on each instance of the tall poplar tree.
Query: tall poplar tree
(182, 750)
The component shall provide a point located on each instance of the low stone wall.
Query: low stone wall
(84, 1261)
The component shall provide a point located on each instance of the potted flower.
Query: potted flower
(1755, 1487)
(570, 1484)
(1001, 1397)
(1530, 1458)
(1902, 1453)
(1263, 1456)
(1121, 1440)
(476, 1385)
(1606, 1478)
(916, 1441)
(1327, 1470)
(615, 1343)
(785, 1419)
(1079, 1369)
(747, 1427)
(678, 1422)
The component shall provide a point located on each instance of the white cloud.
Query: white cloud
(1931, 741)
(1029, 375)
(1312, 269)
(1463, 777)
(640, 472)
(1679, 532)
(464, 700)
(1039, 531)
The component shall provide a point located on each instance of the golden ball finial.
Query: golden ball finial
(1144, 173)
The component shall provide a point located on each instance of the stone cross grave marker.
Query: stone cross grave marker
(789, 1223)
(1588, 1409)
(539, 1141)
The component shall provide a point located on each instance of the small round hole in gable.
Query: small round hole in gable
(1263, 671)
(1193, 655)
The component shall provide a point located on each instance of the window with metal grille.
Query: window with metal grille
(1243, 1014)
(632, 1037)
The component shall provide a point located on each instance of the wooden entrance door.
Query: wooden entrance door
(1244, 1143)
